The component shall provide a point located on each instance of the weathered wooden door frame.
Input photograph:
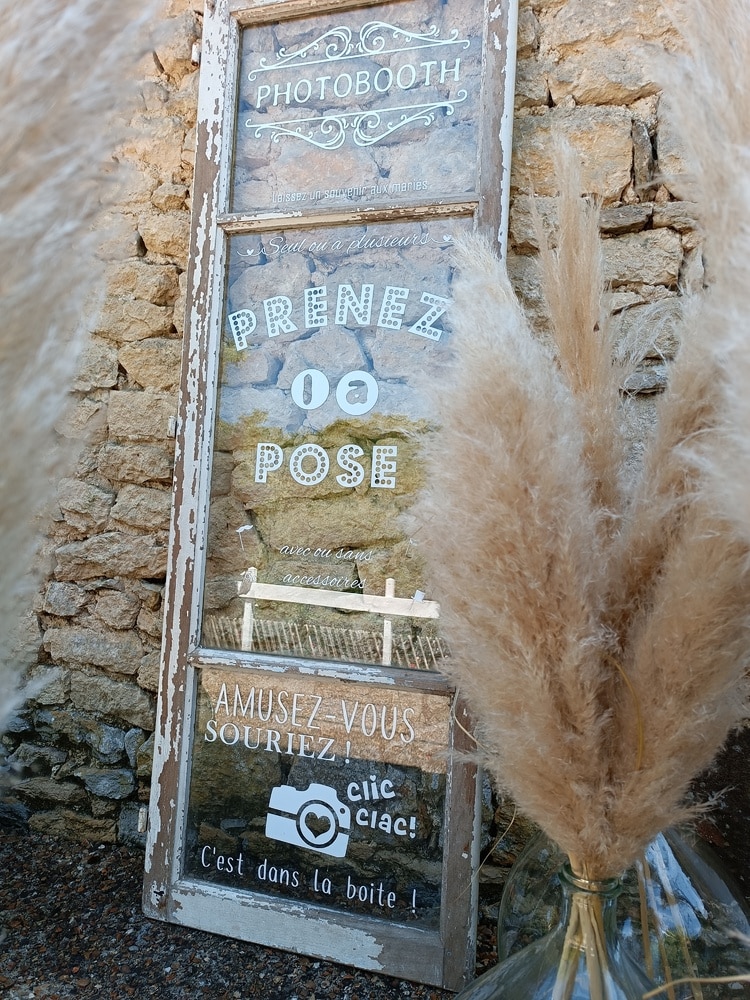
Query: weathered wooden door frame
(445, 957)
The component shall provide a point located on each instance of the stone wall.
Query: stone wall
(83, 743)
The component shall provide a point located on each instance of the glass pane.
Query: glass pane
(370, 106)
(302, 790)
(331, 338)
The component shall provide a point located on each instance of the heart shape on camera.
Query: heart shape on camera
(317, 823)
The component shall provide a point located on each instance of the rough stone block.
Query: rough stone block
(652, 257)
(117, 609)
(646, 379)
(141, 416)
(140, 279)
(150, 622)
(125, 320)
(149, 594)
(168, 197)
(230, 548)
(621, 219)
(153, 363)
(655, 327)
(145, 758)
(142, 507)
(600, 135)
(118, 237)
(524, 277)
(679, 215)
(643, 157)
(48, 685)
(84, 421)
(84, 506)
(134, 740)
(107, 742)
(522, 231)
(64, 599)
(579, 22)
(601, 74)
(166, 234)
(149, 670)
(673, 168)
(531, 85)
(113, 554)
(174, 44)
(155, 95)
(528, 32)
(41, 792)
(129, 826)
(116, 783)
(26, 641)
(120, 699)
(221, 473)
(18, 722)
(183, 102)
(37, 757)
(219, 592)
(131, 186)
(117, 651)
(97, 368)
(14, 815)
(136, 463)
(155, 144)
(74, 826)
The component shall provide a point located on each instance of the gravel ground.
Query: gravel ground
(71, 925)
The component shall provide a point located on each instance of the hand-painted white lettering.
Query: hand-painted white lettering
(316, 468)
(354, 473)
(316, 307)
(360, 308)
(408, 76)
(242, 324)
(309, 464)
(268, 458)
(357, 393)
(423, 327)
(310, 389)
(278, 309)
(353, 309)
(383, 465)
(392, 307)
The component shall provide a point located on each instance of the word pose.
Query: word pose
(309, 464)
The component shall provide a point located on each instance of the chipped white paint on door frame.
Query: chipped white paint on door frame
(444, 957)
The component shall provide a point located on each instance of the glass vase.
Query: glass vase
(678, 914)
(582, 958)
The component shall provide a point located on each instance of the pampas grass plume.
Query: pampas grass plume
(597, 610)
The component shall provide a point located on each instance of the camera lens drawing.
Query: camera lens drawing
(317, 824)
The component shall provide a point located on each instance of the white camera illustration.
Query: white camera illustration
(315, 819)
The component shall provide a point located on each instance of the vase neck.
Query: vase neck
(600, 886)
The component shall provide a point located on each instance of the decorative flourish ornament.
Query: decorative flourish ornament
(366, 127)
